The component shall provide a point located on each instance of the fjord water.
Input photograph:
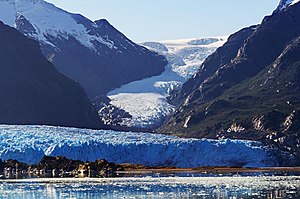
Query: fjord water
(154, 187)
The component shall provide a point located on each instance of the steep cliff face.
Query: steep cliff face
(95, 54)
(254, 94)
(33, 91)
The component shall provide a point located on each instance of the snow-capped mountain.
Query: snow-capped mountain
(30, 143)
(47, 20)
(146, 100)
(94, 54)
(284, 4)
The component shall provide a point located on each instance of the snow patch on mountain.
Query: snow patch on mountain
(146, 100)
(48, 20)
(285, 3)
(30, 143)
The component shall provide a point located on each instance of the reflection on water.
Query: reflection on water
(167, 187)
(158, 174)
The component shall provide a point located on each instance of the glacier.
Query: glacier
(29, 143)
(146, 100)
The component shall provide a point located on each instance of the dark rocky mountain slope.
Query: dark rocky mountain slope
(250, 93)
(33, 91)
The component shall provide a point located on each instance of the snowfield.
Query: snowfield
(30, 143)
(146, 100)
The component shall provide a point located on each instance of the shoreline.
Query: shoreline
(210, 169)
(131, 172)
(169, 179)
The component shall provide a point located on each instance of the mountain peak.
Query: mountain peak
(284, 4)
(102, 22)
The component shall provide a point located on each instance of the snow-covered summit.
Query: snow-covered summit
(46, 20)
(284, 4)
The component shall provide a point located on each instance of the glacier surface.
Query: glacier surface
(146, 100)
(30, 143)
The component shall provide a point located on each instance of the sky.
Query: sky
(155, 20)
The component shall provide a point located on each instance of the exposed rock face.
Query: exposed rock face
(61, 166)
(13, 166)
(251, 91)
(33, 91)
(100, 168)
(49, 163)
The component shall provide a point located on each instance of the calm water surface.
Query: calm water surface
(236, 186)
